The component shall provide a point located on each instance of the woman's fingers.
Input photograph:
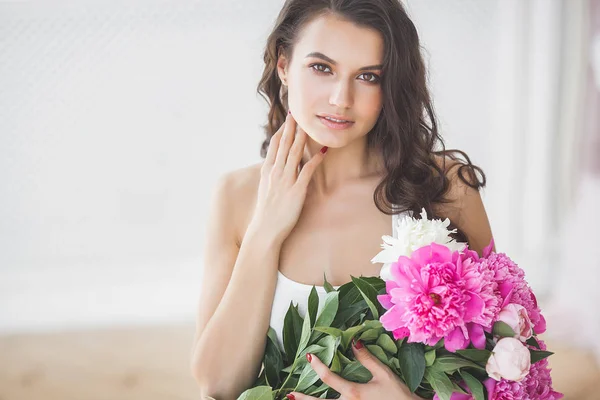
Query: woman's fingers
(333, 380)
(295, 156)
(309, 168)
(273, 146)
(289, 131)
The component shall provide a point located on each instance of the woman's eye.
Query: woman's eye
(319, 67)
(372, 78)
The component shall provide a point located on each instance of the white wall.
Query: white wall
(116, 119)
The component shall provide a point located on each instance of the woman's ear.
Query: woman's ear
(282, 65)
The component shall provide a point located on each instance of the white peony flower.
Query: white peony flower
(413, 234)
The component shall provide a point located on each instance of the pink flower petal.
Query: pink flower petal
(385, 300)
(488, 249)
(434, 253)
(403, 271)
(392, 318)
(540, 327)
(476, 335)
(389, 285)
(455, 340)
(474, 307)
(401, 333)
(490, 385)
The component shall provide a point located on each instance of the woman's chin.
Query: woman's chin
(329, 138)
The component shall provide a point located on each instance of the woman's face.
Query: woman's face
(335, 70)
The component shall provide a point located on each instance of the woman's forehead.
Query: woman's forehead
(341, 40)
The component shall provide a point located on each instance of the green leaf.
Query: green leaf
(349, 295)
(346, 313)
(258, 393)
(412, 364)
(273, 360)
(387, 344)
(316, 391)
(336, 364)
(370, 335)
(502, 329)
(440, 382)
(476, 355)
(313, 349)
(313, 306)
(474, 385)
(457, 388)
(330, 308)
(369, 294)
(327, 285)
(306, 331)
(329, 330)
(292, 330)
(451, 364)
(330, 345)
(375, 281)
(429, 358)
(539, 355)
(379, 353)
(532, 341)
(349, 334)
(344, 360)
(356, 372)
(373, 324)
(307, 378)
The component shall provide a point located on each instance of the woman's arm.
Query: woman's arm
(237, 292)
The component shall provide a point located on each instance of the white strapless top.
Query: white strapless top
(288, 291)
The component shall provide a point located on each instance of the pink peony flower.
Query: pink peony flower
(507, 390)
(515, 316)
(538, 384)
(510, 360)
(513, 288)
(438, 294)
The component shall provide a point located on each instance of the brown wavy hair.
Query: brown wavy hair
(406, 131)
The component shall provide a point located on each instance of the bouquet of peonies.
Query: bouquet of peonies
(450, 324)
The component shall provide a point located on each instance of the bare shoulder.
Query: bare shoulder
(465, 208)
(237, 188)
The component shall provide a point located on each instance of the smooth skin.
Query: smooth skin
(303, 213)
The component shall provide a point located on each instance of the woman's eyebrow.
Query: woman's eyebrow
(329, 60)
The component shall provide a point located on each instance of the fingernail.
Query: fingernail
(289, 112)
(309, 357)
(290, 396)
(324, 149)
(357, 344)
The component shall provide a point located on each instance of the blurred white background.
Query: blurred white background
(117, 118)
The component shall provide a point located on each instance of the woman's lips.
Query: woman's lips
(335, 125)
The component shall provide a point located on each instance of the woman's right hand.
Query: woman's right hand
(282, 188)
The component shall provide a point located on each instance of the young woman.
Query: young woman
(351, 145)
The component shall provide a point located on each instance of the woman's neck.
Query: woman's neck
(346, 165)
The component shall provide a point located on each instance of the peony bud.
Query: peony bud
(510, 360)
(516, 317)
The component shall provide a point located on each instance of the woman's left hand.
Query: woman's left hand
(384, 384)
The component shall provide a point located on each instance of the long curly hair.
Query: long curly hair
(406, 131)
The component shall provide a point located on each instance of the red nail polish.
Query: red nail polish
(309, 357)
(358, 344)
(289, 112)
(324, 149)
(290, 396)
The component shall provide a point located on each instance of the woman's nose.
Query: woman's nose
(342, 95)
